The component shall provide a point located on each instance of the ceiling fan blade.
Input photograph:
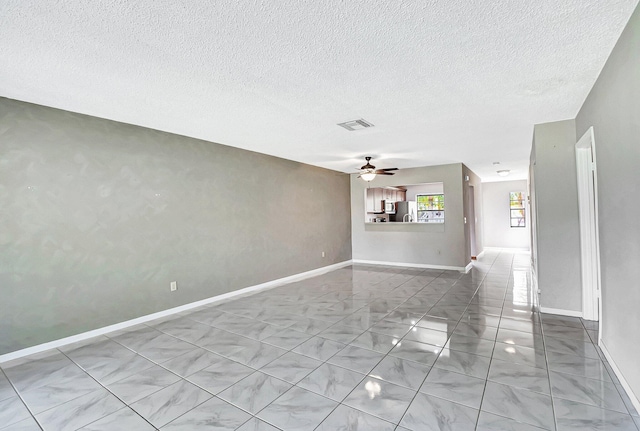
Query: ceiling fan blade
(370, 169)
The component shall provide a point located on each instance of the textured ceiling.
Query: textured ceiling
(443, 81)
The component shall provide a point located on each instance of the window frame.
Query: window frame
(522, 209)
(439, 212)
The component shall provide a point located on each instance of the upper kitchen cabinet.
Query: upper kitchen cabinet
(377, 197)
(390, 195)
(375, 200)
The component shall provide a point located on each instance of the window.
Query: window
(517, 209)
(430, 208)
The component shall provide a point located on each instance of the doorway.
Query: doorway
(588, 212)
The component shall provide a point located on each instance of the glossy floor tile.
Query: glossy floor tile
(400, 371)
(571, 415)
(12, 411)
(345, 418)
(456, 387)
(122, 419)
(429, 413)
(80, 412)
(133, 388)
(332, 381)
(214, 414)
(291, 367)
(382, 399)
(519, 404)
(298, 409)
(255, 392)
(365, 347)
(167, 404)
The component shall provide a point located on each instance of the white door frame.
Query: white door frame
(589, 238)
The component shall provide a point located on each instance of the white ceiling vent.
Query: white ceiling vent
(355, 125)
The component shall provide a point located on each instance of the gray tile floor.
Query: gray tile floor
(360, 348)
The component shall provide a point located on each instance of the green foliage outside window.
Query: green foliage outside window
(430, 208)
(517, 209)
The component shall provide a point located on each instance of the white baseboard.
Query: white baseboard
(122, 325)
(618, 373)
(409, 265)
(561, 312)
(479, 255)
(468, 267)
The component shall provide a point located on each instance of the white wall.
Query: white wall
(613, 109)
(557, 228)
(497, 225)
(424, 189)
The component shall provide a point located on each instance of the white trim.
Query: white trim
(588, 215)
(479, 255)
(561, 312)
(468, 267)
(122, 325)
(409, 265)
(618, 373)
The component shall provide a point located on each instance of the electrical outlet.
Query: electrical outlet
(323, 254)
(174, 286)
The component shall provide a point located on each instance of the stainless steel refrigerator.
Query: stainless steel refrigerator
(402, 208)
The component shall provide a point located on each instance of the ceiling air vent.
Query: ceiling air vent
(355, 125)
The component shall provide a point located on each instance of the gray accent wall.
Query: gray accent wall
(613, 109)
(556, 225)
(98, 217)
(497, 222)
(420, 244)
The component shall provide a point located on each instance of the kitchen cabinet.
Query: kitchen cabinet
(369, 201)
(389, 195)
(375, 196)
(393, 195)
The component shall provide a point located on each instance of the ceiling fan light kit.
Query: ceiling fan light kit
(368, 176)
(368, 172)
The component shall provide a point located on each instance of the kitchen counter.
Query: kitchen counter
(402, 222)
(404, 227)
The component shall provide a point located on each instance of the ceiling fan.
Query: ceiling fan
(368, 172)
